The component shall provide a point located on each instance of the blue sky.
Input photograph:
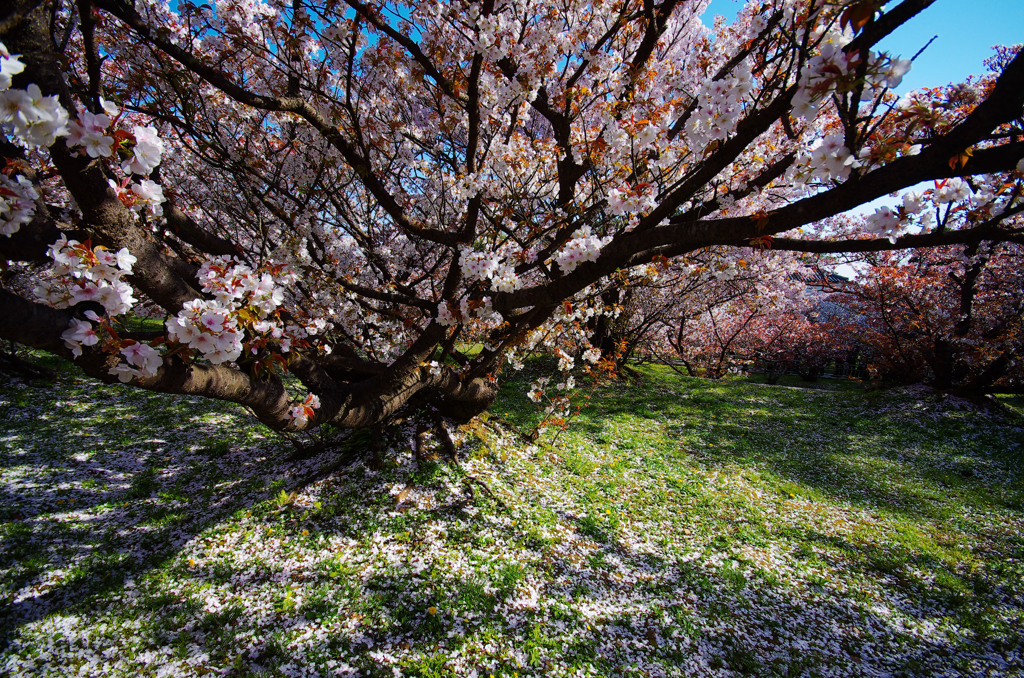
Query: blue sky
(966, 31)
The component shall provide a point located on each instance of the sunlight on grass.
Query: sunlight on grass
(676, 527)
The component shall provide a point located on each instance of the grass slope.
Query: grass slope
(677, 527)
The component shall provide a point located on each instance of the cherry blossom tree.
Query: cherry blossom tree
(952, 316)
(355, 192)
(724, 314)
(788, 341)
(657, 305)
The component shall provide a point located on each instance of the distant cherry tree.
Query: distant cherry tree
(950, 316)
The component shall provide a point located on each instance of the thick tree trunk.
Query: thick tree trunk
(468, 401)
(942, 364)
(368, 401)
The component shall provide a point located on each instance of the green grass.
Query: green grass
(677, 526)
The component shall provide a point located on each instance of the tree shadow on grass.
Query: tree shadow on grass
(896, 457)
(100, 484)
(718, 615)
(607, 606)
(600, 601)
(888, 454)
(588, 599)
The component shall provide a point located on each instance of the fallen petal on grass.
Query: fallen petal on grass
(677, 527)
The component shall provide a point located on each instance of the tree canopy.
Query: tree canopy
(356, 192)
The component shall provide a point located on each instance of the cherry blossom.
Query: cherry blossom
(305, 410)
(79, 333)
(34, 120)
(10, 65)
(351, 192)
(89, 131)
(148, 150)
(951, 190)
(884, 222)
(17, 204)
(141, 359)
(583, 247)
(81, 273)
(151, 193)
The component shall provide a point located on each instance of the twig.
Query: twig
(468, 481)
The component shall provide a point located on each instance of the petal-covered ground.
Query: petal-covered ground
(677, 527)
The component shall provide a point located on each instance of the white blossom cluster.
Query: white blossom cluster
(820, 75)
(494, 268)
(149, 148)
(304, 411)
(35, 121)
(17, 204)
(481, 266)
(828, 159)
(142, 360)
(89, 132)
(230, 281)
(505, 279)
(10, 66)
(477, 265)
(81, 333)
(83, 273)
(536, 392)
(916, 206)
(32, 120)
(492, 32)
(951, 190)
(482, 310)
(889, 222)
(211, 326)
(628, 199)
(720, 109)
(832, 68)
(884, 222)
(886, 71)
(150, 194)
(727, 272)
(146, 194)
(445, 317)
(913, 202)
(583, 247)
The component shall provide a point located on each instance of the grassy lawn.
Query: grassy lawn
(677, 527)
